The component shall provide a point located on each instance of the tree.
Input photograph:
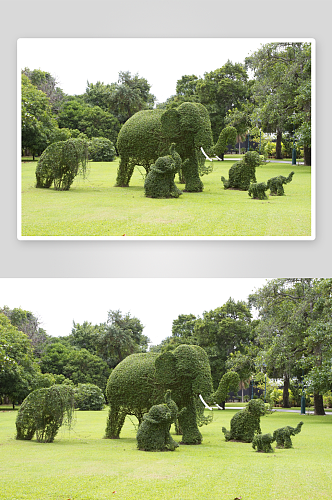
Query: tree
(91, 121)
(221, 332)
(47, 83)
(119, 337)
(220, 91)
(282, 90)
(18, 366)
(290, 332)
(243, 365)
(38, 122)
(78, 365)
(27, 322)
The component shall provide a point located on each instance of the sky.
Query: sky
(156, 302)
(162, 61)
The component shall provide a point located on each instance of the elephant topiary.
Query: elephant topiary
(246, 423)
(283, 435)
(230, 381)
(263, 442)
(275, 184)
(242, 172)
(140, 381)
(159, 183)
(44, 411)
(257, 190)
(61, 162)
(147, 135)
(154, 432)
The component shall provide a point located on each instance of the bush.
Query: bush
(159, 182)
(89, 397)
(257, 190)
(101, 149)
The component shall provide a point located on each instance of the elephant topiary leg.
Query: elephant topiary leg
(188, 422)
(190, 171)
(115, 421)
(125, 172)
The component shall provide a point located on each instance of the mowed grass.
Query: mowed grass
(94, 207)
(80, 465)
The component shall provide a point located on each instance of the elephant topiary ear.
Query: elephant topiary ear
(170, 123)
(166, 368)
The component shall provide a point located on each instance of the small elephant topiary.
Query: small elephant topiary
(159, 182)
(242, 172)
(283, 435)
(246, 423)
(275, 184)
(154, 432)
(60, 162)
(263, 442)
(257, 190)
(43, 412)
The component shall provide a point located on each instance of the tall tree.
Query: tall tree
(48, 84)
(221, 332)
(282, 90)
(220, 91)
(289, 312)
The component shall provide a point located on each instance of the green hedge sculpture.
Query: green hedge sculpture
(257, 190)
(61, 162)
(147, 136)
(246, 423)
(154, 432)
(242, 172)
(159, 182)
(44, 411)
(89, 397)
(262, 442)
(230, 381)
(140, 381)
(283, 435)
(275, 184)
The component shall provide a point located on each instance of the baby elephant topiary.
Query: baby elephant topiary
(283, 435)
(153, 433)
(242, 172)
(263, 442)
(246, 423)
(257, 190)
(275, 184)
(159, 182)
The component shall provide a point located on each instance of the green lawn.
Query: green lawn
(94, 207)
(80, 465)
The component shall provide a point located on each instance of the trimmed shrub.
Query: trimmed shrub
(283, 435)
(101, 149)
(257, 191)
(44, 411)
(263, 443)
(243, 172)
(227, 137)
(153, 433)
(246, 423)
(60, 163)
(275, 184)
(159, 182)
(89, 397)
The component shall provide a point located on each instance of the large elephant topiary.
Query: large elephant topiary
(140, 381)
(147, 135)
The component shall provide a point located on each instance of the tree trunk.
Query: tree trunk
(278, 145)
(318, 403)
(285, 394)
(307, 155)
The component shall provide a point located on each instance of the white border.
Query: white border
(181, 238)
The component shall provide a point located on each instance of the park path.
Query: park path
(268, 161)
(276, 409)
